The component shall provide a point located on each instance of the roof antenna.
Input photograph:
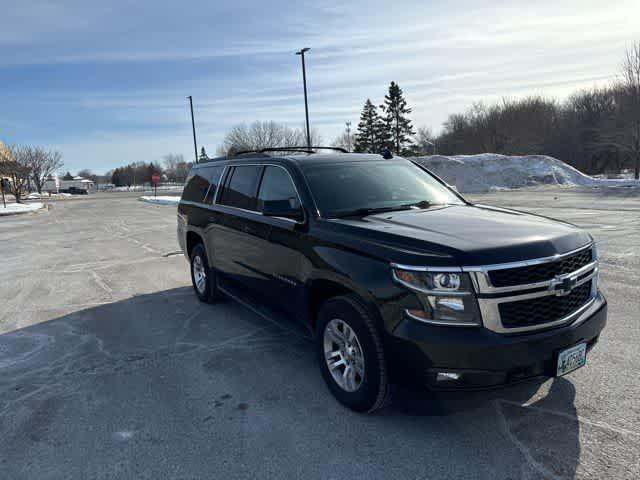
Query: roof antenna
(386, 154)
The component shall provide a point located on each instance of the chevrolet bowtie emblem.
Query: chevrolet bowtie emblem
(563, 285)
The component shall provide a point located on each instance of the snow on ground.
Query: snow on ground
(146, 188)
(489, 172)
(37, 196)
(160, 200)
(13, 208)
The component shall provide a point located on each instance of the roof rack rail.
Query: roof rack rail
(291, 149)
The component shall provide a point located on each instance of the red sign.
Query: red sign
(155, 178)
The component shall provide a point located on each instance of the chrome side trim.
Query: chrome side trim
(258, 212)
(420, 268)
(223, 176)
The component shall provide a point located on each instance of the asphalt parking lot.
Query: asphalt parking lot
(111, 368)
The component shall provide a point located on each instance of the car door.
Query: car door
(282, 255)
(238, 234)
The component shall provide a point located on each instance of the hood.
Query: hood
(467, 235)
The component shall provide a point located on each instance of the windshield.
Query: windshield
(366, 186)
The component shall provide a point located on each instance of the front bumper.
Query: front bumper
(482, 358)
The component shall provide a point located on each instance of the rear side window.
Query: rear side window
(277, 186)
(240, 188)
(196, 186)
(213, 176)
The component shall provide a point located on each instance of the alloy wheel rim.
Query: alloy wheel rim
(199, 273)
(343, 355)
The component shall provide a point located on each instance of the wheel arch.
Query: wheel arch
(193, 239)
(319, 290)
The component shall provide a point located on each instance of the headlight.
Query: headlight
(446, 297)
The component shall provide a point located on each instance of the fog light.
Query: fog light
(447, 376)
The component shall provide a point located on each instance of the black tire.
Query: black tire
(373, 390)
(208, 290)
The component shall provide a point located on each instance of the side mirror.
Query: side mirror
(282, 208)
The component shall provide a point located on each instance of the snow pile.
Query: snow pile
(490, 171)
(13, 208)
(38, 196)
(161, 200)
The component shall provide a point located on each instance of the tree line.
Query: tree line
(24, 166)
(173, 169)
(594, 130)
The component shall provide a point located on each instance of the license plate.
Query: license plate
(572, 358)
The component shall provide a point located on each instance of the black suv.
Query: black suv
(396, 276)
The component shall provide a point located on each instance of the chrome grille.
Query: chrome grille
(536, 294)
(541, 272)
(541, 310)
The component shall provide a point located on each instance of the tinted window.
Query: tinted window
(344, 187)
(240, 189)
(213, 176)
(277, 186)
(196, 186)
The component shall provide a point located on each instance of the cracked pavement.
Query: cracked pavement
(111, 368)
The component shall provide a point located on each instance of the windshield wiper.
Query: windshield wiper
(361, 212)
(423, 204)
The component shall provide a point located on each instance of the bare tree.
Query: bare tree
(425, 141)
(260, 135)
(174, 167)
(14, 164)
(42, 164)
(631, 85)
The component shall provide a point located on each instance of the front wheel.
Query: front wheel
(203, 277)
(351, 354)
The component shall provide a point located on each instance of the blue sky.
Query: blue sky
(105, 82)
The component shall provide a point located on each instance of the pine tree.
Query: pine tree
(370, 135)
(203, 155)
(68, 176)
(397, 123)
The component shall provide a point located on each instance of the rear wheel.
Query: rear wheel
(203, 277)
(351, 354)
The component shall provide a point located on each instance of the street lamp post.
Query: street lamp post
(193, 128)
(304, 82)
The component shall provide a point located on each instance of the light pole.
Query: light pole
(304, 82)
(193, 127)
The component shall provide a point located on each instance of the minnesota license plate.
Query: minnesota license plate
(572, 358)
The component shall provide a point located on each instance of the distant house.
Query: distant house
(57, 184)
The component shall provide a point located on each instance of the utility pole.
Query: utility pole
(348, 124)
(304, 82)
(193, 127)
